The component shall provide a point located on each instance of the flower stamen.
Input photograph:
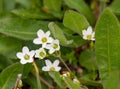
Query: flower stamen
(44, 39)
(42, 54)
(55, 46)
(27, 57)
(89, 37)
(52, 69)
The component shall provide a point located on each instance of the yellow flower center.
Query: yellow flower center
(26, 57)
(44, 39)
(55, 46)
(42, 54)
(52, 69)
(89, 37)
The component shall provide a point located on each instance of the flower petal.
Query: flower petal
(45, 68)
(56, 41)
(89, 30)
(84, 32)
(48, 46)
(57, 68)
(50, 39)
(40, 33)
(93, 39)
(37, 41)
(19, 55)
(22, 61)
(48, 63)
(93, 34)
(32, 53)
(51, 51)
(30, 60)
(44, 45)
(58, 48)
(85, 37)
(56, 62)
(25, 50)
(47, 33)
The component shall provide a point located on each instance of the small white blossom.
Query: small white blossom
(51, 66)
(43, 38)
(76, 81)
(88, 34)
(25, 56)
(40, 53)
(54, 46)
(67, 74)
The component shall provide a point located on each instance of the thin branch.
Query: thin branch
(17, 81)
(37, 75)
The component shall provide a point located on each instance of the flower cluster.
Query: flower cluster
(49, 44)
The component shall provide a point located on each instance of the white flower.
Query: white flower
(88, 34)
(40, 53)
(43, 38)
(67, 74)
(26, 56)
(76, 81)
(54, 46)
(51, 66)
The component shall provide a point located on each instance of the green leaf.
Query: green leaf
(65, 36)
(9, 4)
(53, 7)
(57, 78)
(20, 28)
(27, 68)
(115, 7)
(9, 75)
(9, 46)
(88, 59)
(24, 3)
(113, 78)
(107, 47)
(77, 40)
(58, 33)
(32, 14)
(75, 21)
(4, 62)
(81, 7)
(70, 83)
(1, 5)
(31, 80)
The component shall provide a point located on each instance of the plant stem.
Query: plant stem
(102, 5)
(46, 83)
(90, 83)
(58, 54)
(37, 75)
(65, 64)
(17, 81)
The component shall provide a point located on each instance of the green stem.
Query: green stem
(17, 81)
(58, 54)
(91, 83)
(102, 5)
(65, 64)
(37, 75)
